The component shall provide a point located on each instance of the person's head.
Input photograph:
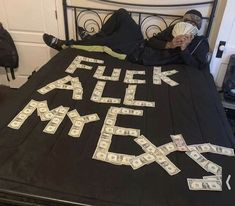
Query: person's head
(193, 17)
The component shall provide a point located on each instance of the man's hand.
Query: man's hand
(176, 42)
(187, 40)
(181, 41)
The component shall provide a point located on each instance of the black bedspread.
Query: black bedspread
(60, 166)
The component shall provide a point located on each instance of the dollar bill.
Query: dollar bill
(18, 121)
(124, 131)
(128, 111)
(168, 73)
(20, 118)
(87, 59)
(43, 111)
(104, 144)
(179, 142)
(213, 168)
(76, 129)
(99, 74)
(146, 145)
(202, 184)
(90, 118)
(100, 155)
(205, 163)
(213, 178)
(64, 86)
(156, 77)
(71, 68)
(129, 77)
(49, 87)
(73, 115)
(169, 81)
(76, 63)
(126, 159)
(114, 158)
(79, 122)
(141, 160)
(106, 136)
(55, 122)
(167, 148)
(142, 140)
(159, 76)
(114, 110)
(110, 100)
(201, 148)
(98, 91)
(222, 150)
(140, 103)
(198, 158)
(166, 164)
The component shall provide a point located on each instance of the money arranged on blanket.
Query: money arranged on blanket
(76, 63)
(216, 149)
(99, 74)
(79, 122)
(75, 86)
(213, 177)
(98, 92)
(151, 153)
(160, 157)
(129, 98)
(205, 163)
(108, 130)
(179, 142)
(159, 76)
(204, 184)
(43, 111)
(88, 59)
(55, 116)
(201, 148)
(55, 122)
(141, 160)
(167, 148)
(129, 77)
(221, 150)
(17, 122)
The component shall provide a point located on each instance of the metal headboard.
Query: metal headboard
(142, 16)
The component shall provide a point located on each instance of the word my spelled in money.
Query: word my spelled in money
(54, 116)
(152, 153)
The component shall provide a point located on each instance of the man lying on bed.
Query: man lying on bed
(121, 37)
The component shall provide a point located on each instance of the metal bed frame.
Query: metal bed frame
(142, 16)
(10, 197)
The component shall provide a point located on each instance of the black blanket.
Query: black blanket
(60, 166)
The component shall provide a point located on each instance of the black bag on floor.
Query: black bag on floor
(8, 54)
(229, 80)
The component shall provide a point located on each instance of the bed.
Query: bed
(90, 129)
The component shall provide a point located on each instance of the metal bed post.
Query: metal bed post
(211, 18)
(66, 26)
